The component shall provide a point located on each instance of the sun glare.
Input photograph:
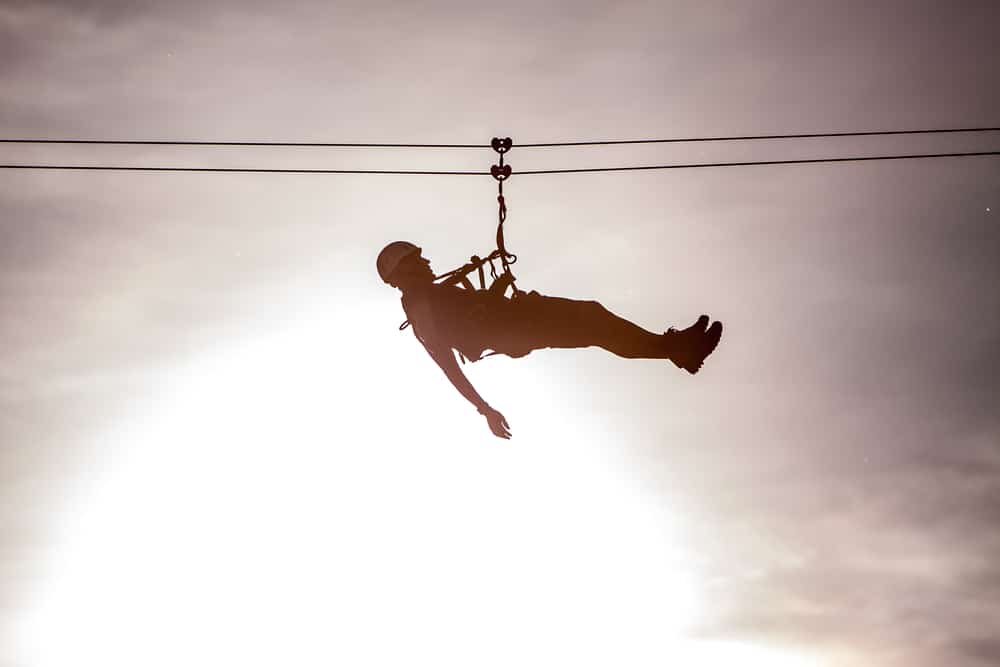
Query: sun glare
(287, 504)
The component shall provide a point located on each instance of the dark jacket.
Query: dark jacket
(469, 321)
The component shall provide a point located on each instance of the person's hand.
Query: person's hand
(498, 423)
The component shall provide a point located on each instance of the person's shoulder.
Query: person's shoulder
(417, 296)
(417, 303)
(419, 309)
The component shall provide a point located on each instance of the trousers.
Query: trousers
(534, 321)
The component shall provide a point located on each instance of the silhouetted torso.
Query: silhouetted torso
(470, 321)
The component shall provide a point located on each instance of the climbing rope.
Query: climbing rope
(501, 172)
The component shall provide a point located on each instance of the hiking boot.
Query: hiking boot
(699, 327)
(690, 346)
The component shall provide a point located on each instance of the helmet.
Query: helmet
(391, 256)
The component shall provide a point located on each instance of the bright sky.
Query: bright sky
(218, 449)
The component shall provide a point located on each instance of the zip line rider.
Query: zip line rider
(446, 317)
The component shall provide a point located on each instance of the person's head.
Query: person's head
(401, 265)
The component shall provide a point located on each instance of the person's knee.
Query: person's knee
(593, 308)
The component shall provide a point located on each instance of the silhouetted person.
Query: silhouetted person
(446, 317)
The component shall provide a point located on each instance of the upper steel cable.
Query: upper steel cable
(265, 144)
(244, 170)
(754, 137)
(310, 144)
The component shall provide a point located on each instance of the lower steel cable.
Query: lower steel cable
(242, 170)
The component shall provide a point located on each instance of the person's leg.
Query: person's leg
(600, 327)
(567, 323)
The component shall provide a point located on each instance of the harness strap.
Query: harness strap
(475, 259)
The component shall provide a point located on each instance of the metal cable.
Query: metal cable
(242, 170)
(753, 163)
(486, 173)
(754, 137)
(309, 144)
(272, 144)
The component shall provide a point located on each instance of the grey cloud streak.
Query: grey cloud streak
(895, 561)
(850, 497)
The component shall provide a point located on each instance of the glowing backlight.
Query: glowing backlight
(289, 503)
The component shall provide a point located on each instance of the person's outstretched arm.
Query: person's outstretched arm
(445, 359)
(423, 329)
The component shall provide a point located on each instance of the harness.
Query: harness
(460, 276)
